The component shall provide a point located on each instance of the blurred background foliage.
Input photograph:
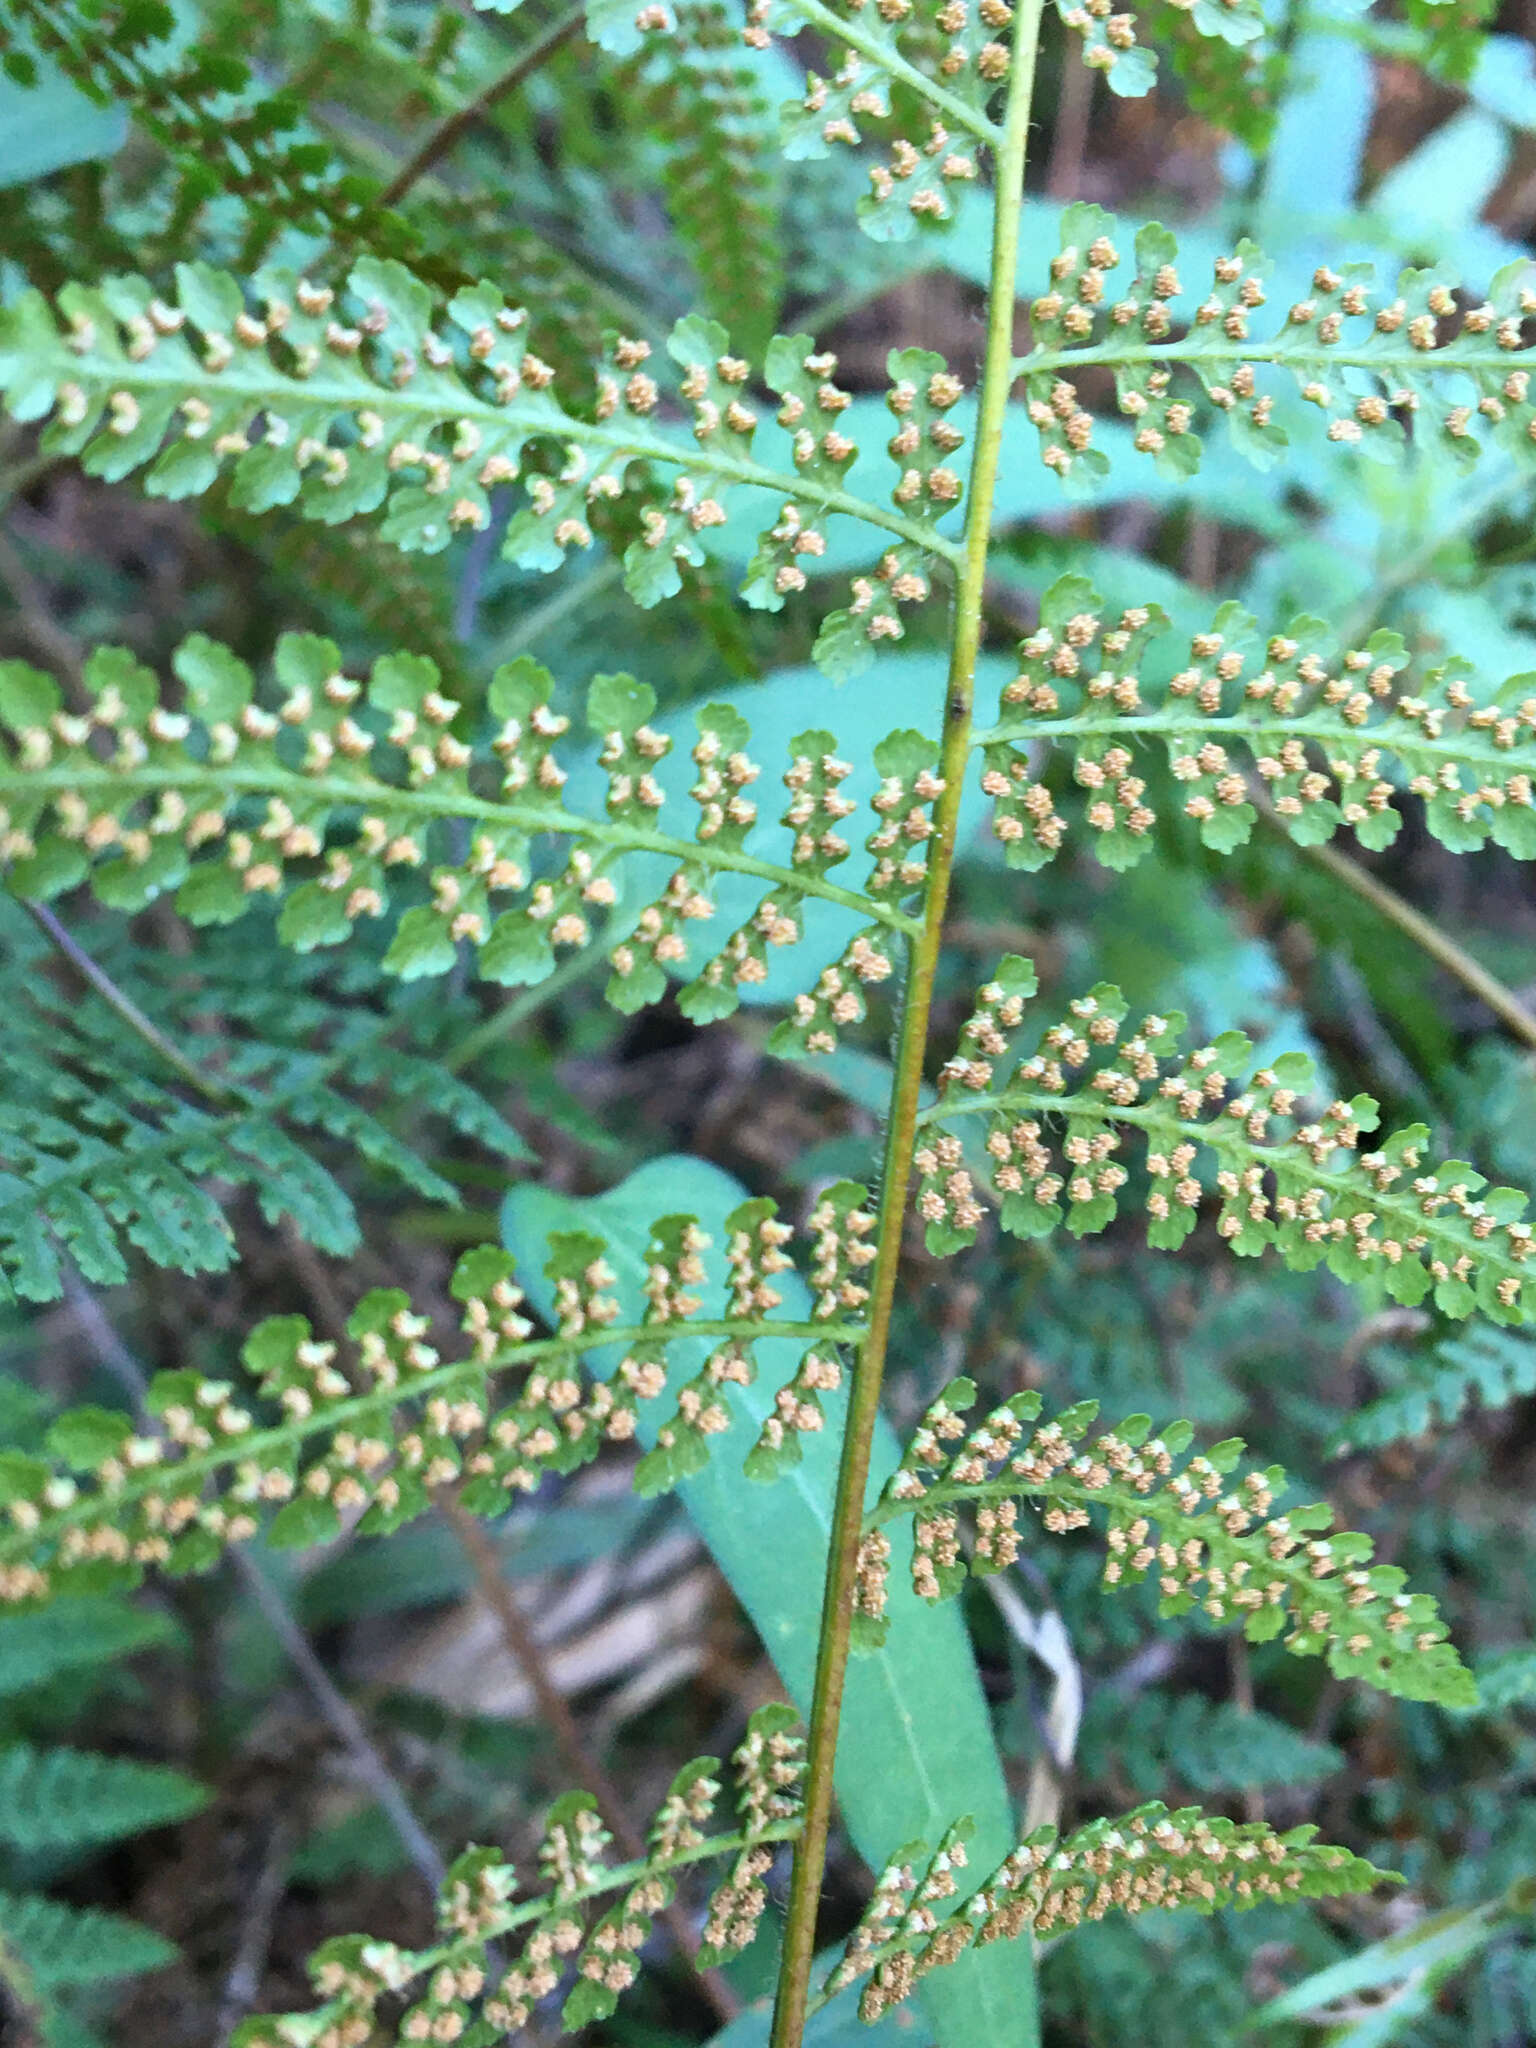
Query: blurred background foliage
(187, 1802)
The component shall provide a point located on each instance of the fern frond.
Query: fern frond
(1390, 1216)
(53, 1642)
(719, 171)
(1494, 1366)
(349, 416)
(201, 105)
(1233, 85)
(1361, 353)
(1133, 1863)
(447, 1981)
(315, 1440)
(66, 1947)
(1326, 730)
(98, 1150)
(1213, 1542)
(362, 784)
(1109, 43)
(65, 1799)
(1208, 1745)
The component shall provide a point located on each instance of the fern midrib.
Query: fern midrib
(1112, 354)
(1463, 746)
(187, 1474)
(531, 818)
(449, 404)
(1227, 1140)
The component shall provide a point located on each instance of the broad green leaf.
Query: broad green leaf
(47, 126)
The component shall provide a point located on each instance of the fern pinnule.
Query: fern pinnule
(1358, 352)
(924, 77)
(1391, 1217)
(372, 1432)
(422, 410)
(200, 104)
(54, 1800)
(1330, 733)
(1213, 1542)
(447, 1982)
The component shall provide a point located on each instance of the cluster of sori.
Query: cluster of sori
(346, 789)
(389, 402)
(369, 1435)
(1212, 1541)
(840, 1230)
(1301, 1183)
(1049, 1884)
(463, 1988)
(1419, 345)
(1327, 732)
(928, 121)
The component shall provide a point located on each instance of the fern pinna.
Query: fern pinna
(464, 830)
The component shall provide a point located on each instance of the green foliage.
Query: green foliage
(1390, 1218)
(1211, 1542)
(1143, 1860)
(1435, 1389)
(1359, 352)
(1208, 1745)
(55, 1642)
(111, 1500)
(917, 1747)
(99, 1149)
(166, 815)
(65, 1799)
(349, 415)
(63, 1947)
(723, 194)
(476, 1907)
(1332, 736)
(267, 310)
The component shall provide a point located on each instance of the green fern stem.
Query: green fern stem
(153, 779)
(864, 1401)
(19, 1544)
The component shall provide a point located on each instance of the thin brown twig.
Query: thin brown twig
(448, 132)
(50, 639)
(1069, 142)
(556, 1716)
(1424, 932)
(242, 1987)
(124, 1006)
(334, 1707)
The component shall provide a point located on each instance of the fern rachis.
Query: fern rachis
(416, 407)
